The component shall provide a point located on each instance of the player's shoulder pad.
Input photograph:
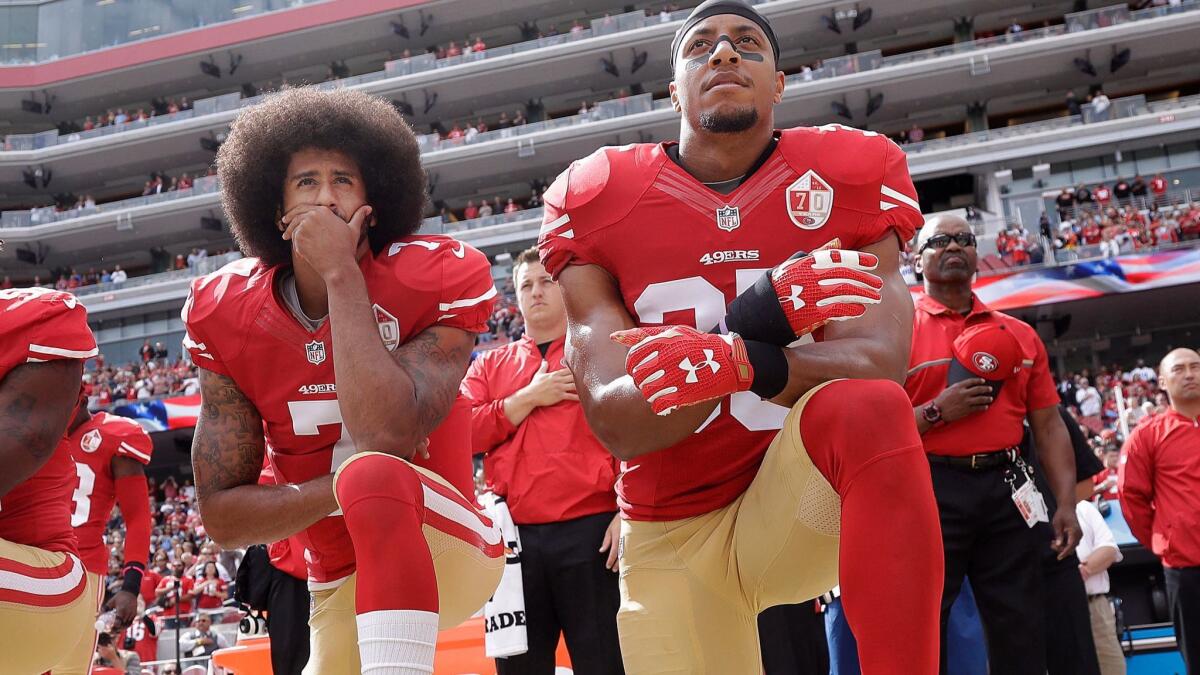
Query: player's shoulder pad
(226, 291)
(430, 261)
(588, 192)
(38, 306)
(845, 155)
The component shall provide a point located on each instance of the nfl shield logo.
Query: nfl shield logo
(728, 218)
(809, 201)
(389, 327)
(316, 352)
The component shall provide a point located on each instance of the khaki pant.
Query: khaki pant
(691, 589)
(45, 607)
(1104, 634)
(78, 661)
(466, 579)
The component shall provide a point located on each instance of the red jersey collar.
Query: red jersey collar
(1180, 417)
(927, 304)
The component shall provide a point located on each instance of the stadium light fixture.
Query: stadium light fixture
(1084, 64)
(830, 22)
(610, 65)
(1119, 59)
(841, 109)
(235, 60)
(862, 18)
(426, 22)
(874, 102)
(210, 67)
(639, 60)
(399, 28)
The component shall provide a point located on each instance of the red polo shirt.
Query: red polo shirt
(998, 427)
(1160, 487)
(550, 468)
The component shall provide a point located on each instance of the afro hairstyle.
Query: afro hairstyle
(252, 164)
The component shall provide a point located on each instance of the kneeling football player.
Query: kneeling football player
(336, 347)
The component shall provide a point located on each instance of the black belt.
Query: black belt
(979, 462)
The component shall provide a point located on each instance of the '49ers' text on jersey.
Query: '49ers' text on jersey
(238, 326)
(38, 325)
(680, 252)
(93, 446)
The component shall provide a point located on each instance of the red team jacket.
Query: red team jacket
(1160, 487)
(680, 252)
(92, 447)
(37, 325)
(549, 469)
(237, 326)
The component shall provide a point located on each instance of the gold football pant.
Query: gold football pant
(45, 607)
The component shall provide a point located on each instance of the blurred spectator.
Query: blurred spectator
(1072, 103)
(511, 207)
(1158, 186)
(472, 211)
(201, 639)
(1083, 195)
(479, 45)
(1137, 190)
(1097, 551)
(916, 134)
(118, 276)
(108, 655)
(1102, 195)
(1121, 190)
(1065, 202)
(1100, 106)
(1088, 398)
(485, 209)
(1105, 482)
(146, 352)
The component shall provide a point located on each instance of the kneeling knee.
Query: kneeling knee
(377, 475)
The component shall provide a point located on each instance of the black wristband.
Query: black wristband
(133, 578)
(770, 368)
(757, 315)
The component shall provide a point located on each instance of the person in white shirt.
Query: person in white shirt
(1097, 552)
(118, 275)
(1088, 398)
(1142, 373)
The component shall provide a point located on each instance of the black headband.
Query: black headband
(717, 7)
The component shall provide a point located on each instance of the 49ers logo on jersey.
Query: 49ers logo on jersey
(315, 351)
(809, 201)
(389, 327)
(90, 441)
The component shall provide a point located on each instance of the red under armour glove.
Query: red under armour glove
(677, 366)
(827, 285)
(804, 293)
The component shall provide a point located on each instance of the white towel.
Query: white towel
(504, 613)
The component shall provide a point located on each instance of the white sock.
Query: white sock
(397, 641)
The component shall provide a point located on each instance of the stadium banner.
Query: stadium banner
(1091, 279)
(179, 412)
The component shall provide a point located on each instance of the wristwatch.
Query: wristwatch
(931, 413)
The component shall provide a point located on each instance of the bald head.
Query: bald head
(941, 224)
(1179, 373)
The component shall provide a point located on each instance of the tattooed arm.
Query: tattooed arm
(227, 457)
(391, 402)
(36, 401)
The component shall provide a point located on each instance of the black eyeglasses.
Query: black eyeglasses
(963, 239)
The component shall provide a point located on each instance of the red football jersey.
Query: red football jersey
(144, 634)
(680, 252)
(93, 446)
(38, 325)
(238, 326)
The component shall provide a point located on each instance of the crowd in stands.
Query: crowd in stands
(494, 207)
(1098, 220)
(1092, 399)
(119, 116)
(155, 375)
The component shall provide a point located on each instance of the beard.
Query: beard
(729, 122)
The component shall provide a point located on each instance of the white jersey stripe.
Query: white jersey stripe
(129, 449)
(460, 514)
(65, 353)
(899, 196)
(468, 302)
(555, 224)
(48, 587)
(887, 206)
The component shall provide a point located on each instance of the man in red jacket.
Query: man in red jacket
(1160, 494)
(557, 480)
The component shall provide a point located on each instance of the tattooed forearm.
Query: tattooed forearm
(227, 458)
(36, 402)
(227, 448)
(435, 361)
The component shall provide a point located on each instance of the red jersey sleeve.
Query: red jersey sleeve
(1135, 487)
(197, 315)
(489, 425)
(132, 440)
(467, 294)
(1041, 392)
(899, 209)
(52, 325)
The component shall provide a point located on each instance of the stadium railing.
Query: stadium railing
(1130, 107)
(205, 266)
(837, 67)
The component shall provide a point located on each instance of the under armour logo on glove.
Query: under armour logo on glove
(708, 362)
(826, 285)
(677, 366)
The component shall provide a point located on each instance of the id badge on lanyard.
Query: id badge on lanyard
(1028, 499)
